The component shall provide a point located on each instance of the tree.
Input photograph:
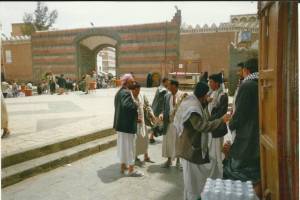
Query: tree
(42, 19)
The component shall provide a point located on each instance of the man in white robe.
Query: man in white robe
(192, 118)
(142, 139)
(125, 124)
(217, 107)
(171, 101)
(4, 118)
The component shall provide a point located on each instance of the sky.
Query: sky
(80, 14)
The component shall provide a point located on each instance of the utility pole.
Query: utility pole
(166, 39)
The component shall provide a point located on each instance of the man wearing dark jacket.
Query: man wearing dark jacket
(125, 124)
(217, 107)
(158, 101)
(243, 162)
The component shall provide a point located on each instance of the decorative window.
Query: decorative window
(8, 56)
(245, 36)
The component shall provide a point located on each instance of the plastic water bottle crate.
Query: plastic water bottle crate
(228, 190)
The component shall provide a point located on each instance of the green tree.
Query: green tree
(42, 19)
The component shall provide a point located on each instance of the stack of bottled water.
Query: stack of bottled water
(228, 190)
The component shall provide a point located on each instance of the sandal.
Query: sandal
(166, 165)
(5, 134)
(135, 174)
(148, 160)
(122, 171)
(152, 141)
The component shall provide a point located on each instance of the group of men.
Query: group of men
(193, 129)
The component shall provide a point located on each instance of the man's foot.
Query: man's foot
(167, 164)
(148, 160)
(135, 174)
(178, 165)
(139, 163)
(6, 133)
(152, 141)
(123, 170)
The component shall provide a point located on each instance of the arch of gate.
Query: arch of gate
(139, 48)
(89, 43)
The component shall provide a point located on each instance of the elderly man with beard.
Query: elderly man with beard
(194, 144)
(125, 124)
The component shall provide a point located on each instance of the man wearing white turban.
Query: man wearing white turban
(125, 124)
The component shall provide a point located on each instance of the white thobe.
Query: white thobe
(169, 140)
(217, 143)
(126, 147)
(195, 175)
(142, 138)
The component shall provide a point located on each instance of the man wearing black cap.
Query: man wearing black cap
(217, 107)
(171, 101)
(243, 162)
(193, 145)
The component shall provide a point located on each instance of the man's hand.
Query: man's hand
(226, 148)
(209, 99)
(161, 117)
(226, 118)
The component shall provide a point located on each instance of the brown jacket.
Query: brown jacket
(188, 145)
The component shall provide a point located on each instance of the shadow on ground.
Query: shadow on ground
(110, 173)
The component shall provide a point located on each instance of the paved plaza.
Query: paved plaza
(40, 120)
(97, 177)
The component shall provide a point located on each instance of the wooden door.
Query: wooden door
(268, 102)
(278, 76)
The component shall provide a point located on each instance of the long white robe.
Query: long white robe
(169, 140)
(142, 138)
(4, 115)
(126, 147)
(217, 143)
(194, 175)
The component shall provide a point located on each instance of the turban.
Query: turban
(201, 89)
(216, 77)
(125, 78)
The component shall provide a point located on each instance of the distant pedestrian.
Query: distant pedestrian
(149, 80)
(61, 81)
(4, 118)
(88, 80)
(15, 89)
(51, 82)
(5, 88)
(40, 88)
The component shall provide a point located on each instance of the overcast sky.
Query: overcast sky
(80, 14)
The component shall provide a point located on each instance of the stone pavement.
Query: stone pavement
(41, 120)
(97, 178)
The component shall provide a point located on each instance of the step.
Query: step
(18, 172)
(52, 148)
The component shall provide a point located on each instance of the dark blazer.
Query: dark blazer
(166, 112)
(125, 119)
(221, 109)
(158, 100)
(245, 122)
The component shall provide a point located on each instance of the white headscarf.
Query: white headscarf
(125, 78)
(190, 105)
